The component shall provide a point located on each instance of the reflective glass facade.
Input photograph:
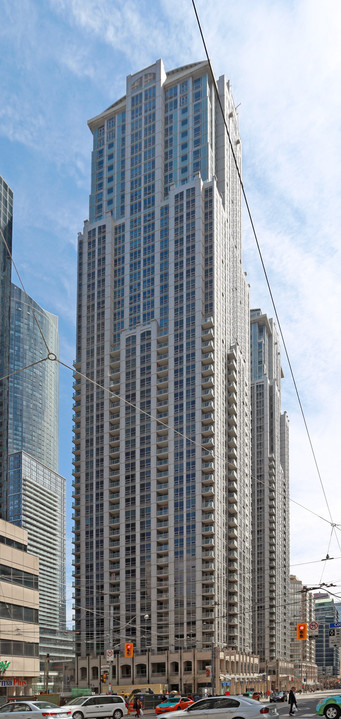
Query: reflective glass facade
(6, 223)
(36, 502)
(34, 393)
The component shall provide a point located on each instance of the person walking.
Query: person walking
(292, 701)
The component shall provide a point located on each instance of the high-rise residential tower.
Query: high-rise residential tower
(270, 474)
(6, 223)
(162, 480)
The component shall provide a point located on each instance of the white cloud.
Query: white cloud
(70, 60)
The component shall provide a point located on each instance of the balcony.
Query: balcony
(207, 323)
(207, 370)
(207, 491)
(207, 358)
(207, 478)
(207, 406)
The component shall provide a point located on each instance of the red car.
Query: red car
(172, 704)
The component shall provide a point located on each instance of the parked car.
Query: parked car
(252, 695)
(172, 704)
(234, 706)
(329, 707)
(99, 705)
(278, 697)
(38, 710)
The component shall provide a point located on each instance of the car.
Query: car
(278, 697)
(38, 709)
(329, 707)
(99, 705)
(172, 704)
(225, 707)
(251, 695)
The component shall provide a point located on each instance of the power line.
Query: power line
(262, 263)
(28, 297)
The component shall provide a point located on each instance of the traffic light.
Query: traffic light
(301, 630)
(128, 649)
(104, 677)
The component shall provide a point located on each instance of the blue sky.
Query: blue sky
(64, 61)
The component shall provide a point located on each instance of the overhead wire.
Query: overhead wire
(263, 265)
(51, 356)
(27, 296)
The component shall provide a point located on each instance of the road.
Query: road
(306, 704)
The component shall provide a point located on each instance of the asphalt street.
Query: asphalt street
(306, 704)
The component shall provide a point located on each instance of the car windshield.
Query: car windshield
(77, 700)
(173, 700)
(45, 705)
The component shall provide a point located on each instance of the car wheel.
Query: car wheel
(77, 715)
(332, 711)
(117, 714)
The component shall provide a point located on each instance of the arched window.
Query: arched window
(84, 674)
(141, 670)
(125, 670)
(94, 673)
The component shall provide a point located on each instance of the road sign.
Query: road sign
(313, 629)
(335, 636)
(335, 625)
(110, 655)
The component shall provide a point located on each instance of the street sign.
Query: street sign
(335, 636)
(110, 655)
(335, 625)
(313, 629)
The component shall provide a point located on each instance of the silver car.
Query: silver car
(224, 707)
(36, 710)
(97, 706)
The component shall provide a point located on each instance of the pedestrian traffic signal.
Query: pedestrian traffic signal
(301, 630)
(128, 649)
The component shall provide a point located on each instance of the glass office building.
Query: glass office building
(34, 393)
(162, 480)
(6, 222)
(36, 492)
(36, 502)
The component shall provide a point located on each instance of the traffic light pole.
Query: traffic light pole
(111, 620)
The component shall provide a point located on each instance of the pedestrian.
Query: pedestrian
(138, 708)
(292, 701)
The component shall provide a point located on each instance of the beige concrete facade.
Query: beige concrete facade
(19, 633)
(189, 671)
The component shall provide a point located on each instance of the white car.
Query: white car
(97, 706)
(36, 710)
(224, 707)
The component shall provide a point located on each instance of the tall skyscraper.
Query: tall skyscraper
(6, 223)
(34, 393)
(270, 472)
(36, 493)
(162, 480)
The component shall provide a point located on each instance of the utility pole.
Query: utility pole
(46, 673)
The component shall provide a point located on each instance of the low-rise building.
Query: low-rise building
(189, 671)
(19, 612)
